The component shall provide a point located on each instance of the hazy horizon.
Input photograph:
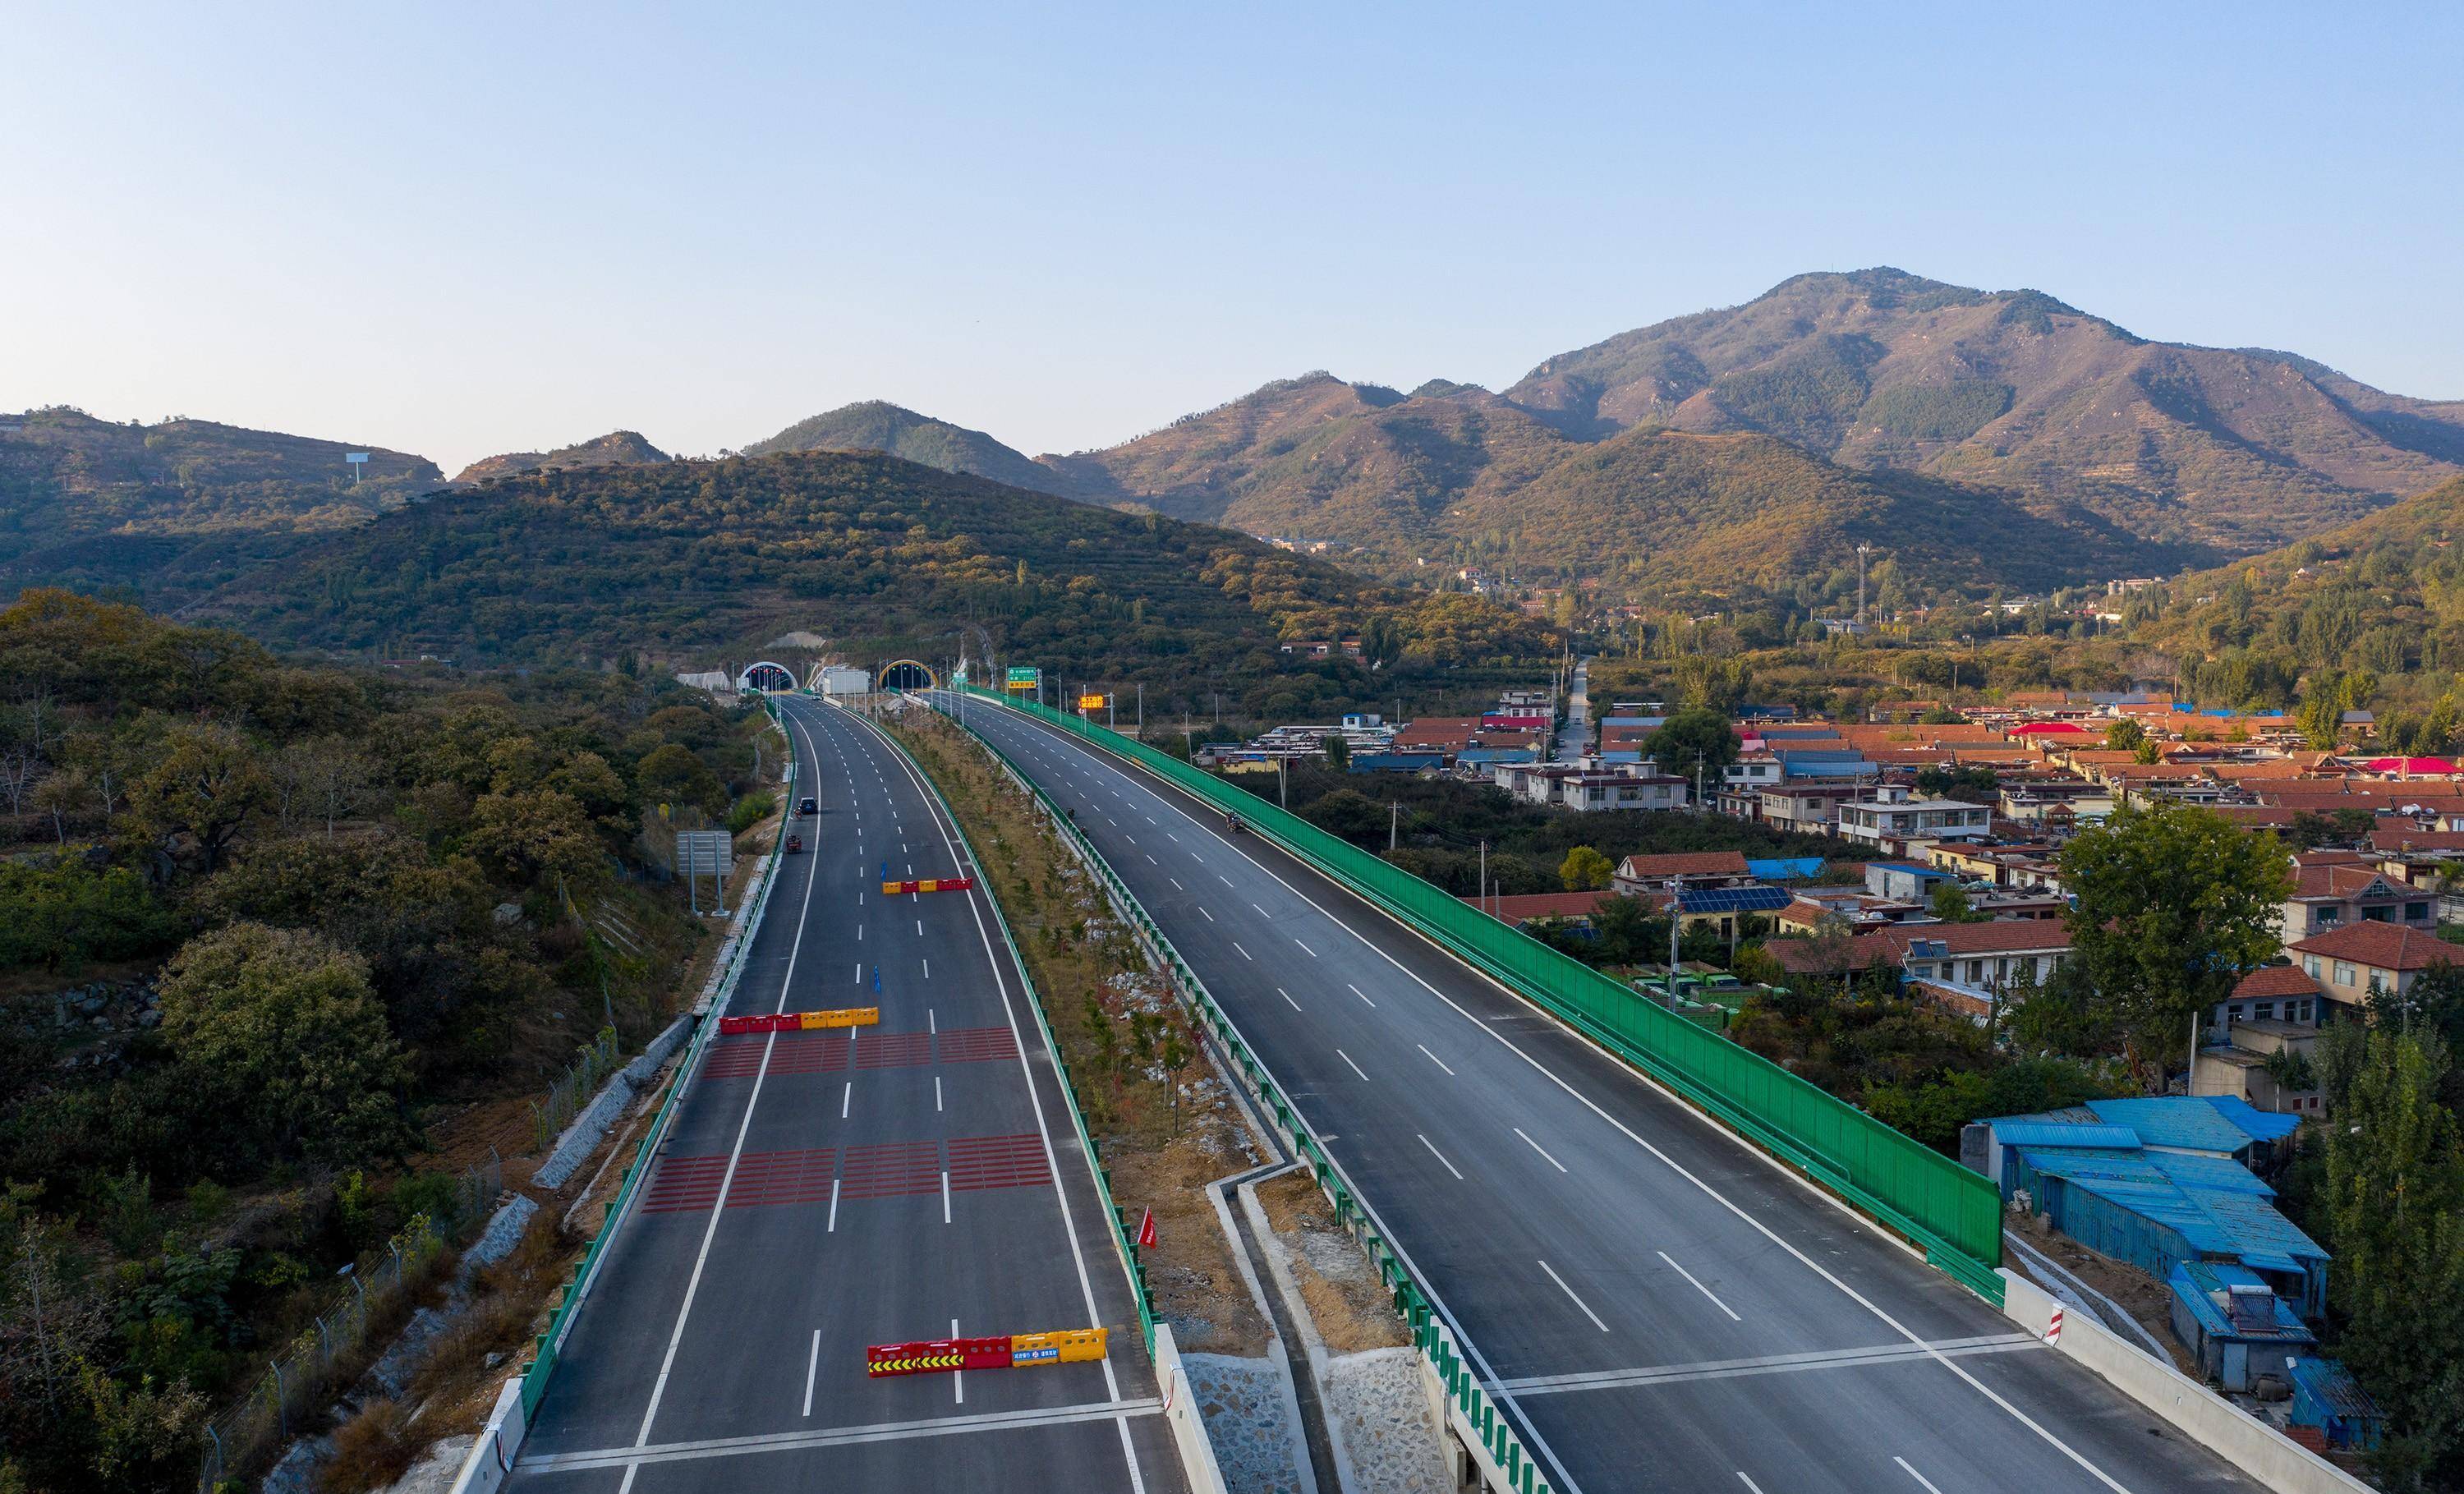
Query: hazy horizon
(466, 232)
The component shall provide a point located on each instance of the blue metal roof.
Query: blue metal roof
(2174, 1121)
(2200, 1199)
(2264, 1319)
(1782, 870)
(2264, 1124)
(2042, 1134)
(2329, 1385)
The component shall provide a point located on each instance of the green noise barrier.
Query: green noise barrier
(1952, 1213)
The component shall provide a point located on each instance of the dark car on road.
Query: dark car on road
(806, 806)
(795, 845)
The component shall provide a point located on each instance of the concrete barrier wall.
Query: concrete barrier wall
(1198, 1463)
(492, 1457)
(2196, 1411)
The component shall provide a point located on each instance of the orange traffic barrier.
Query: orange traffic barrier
(1068, 1346)
(928, 885)
(845, 1017)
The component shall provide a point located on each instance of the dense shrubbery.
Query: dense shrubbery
(364, 885)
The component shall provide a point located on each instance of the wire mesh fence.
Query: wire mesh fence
(566, 1098)
(298, 1374)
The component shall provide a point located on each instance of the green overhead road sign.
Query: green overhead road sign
(1024, 679)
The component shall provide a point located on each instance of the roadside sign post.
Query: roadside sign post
(358, 461)
(700, 852)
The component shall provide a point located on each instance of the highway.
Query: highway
(823, 1190)
(1657, 1305)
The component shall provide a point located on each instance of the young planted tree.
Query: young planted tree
(1585, 870)
(2173, 905)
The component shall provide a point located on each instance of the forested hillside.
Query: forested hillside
(616, 447)
(175, 507)
(258, 922)
(879, 426)
(691, 564)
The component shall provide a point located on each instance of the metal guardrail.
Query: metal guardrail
(542, 1366)
(1952, 1213)
(1412, 1299)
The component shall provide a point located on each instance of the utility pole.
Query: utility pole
(1142, 711)
(1283, 797)
(2193, 1070)
(1862, 550)
(1393, 823)
(1484, 875)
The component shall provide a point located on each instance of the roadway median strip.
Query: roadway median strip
(839, 1436)
(1771, 1364)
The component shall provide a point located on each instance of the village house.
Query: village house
(2334, 889)
(2359, 962)
(1897, 822)
(1662, 873)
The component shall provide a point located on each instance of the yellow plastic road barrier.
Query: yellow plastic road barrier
(1068, 1346)
(846, 1017)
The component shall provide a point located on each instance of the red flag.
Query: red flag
(1147, 1230)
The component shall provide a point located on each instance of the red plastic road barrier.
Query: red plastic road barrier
(766, 1021)
(936, 1357)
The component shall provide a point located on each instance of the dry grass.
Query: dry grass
(371, 1450)
(1343, 1294)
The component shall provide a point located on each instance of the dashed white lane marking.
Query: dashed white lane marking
(1543, 1150)
(1176, 882)
(1440, 1156)
(1210, 917)
(1287, 996)
(1576, 1301)
(1347, 985)
(846, 1097)
(1261, 912)
(957, 1378)
(832, 1228)
(1434, 1059)
(1244, 953)
(1347, 1058)
(1748, 1482)
(812, 1367)
(1305, 950)
(1715, 1301)
(1918, 1477)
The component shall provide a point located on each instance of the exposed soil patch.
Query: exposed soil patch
(1345, 1297)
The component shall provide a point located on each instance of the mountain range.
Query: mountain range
(1994, 408)
(1975, 439)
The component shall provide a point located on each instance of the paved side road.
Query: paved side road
(1657, 1304)
(825, 1191)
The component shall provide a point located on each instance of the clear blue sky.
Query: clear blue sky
(463, 229)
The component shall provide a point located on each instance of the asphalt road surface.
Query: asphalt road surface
(823, 1190)
(1658, 1305)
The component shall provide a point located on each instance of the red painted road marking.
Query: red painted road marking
(977, 1045)
(892, 1169)
(894, 1051)
(997, 1162)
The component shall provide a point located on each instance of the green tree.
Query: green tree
(208, 783)
(2395, 1211)
(672, 775)
(1719, 686)
(1338, 754)
(2173, 904)
(2124, 735)
(1696, 737)
(537, 835)
(1585, 870)
(1950, 904)
(279, 1029)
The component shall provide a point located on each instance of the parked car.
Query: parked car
(795, 845)
(806, 806)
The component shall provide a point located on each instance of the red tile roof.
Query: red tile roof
(2336, 881)
(1684, 863)
(2003, 936)
(1520, 906)
(2271, 980)
(2381, 946)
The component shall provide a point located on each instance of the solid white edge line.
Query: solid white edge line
(736, 1153)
